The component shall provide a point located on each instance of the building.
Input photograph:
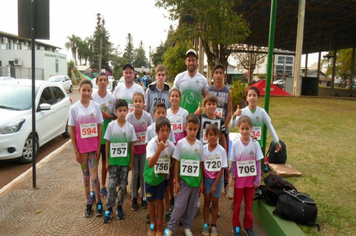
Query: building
(15, 58)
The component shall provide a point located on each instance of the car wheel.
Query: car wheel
(70, 89)
(66, 133)
(27, 150)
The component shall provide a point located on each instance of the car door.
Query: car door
(61, 107)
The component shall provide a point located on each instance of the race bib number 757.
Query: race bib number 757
(118, 149)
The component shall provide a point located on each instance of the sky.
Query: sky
(139, 17)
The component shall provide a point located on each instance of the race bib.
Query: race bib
(177, 126)
(246, 168)
(256, 132)
(141, 138)
(118, 149)
(131, 108)
(219, 112)
(205, 137)
(189, 168)
(213, 163)
(162, 166)
(88, 130)
(104, 107)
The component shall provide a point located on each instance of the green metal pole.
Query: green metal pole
(272, 26)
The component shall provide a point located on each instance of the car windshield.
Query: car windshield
(15, 97)
(55, 79)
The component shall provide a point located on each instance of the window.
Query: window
(58, 94)
(281, 60)
(289, 60)
(46, 96)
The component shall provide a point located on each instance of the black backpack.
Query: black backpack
(277, 157)
(297, 207)
(274, 187)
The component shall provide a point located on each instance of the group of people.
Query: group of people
(175, 149)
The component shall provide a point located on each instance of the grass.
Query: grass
(320, 135)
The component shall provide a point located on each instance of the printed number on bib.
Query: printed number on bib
(219, 112)
(205, 137)
(177, 126)
(256, 132)
(162, 166)
(118, 149)
(141, 138)
(246, 168)
(131, 108)
(213, 163)
(88, 130)
(189, 168)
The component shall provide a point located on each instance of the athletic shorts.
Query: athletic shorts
(155, 192)
(209, 182)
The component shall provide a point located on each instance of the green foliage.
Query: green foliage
(71, 66)
(129, 49)
(157, 57)
(238, 94)
(140, 58)
(262, 76)
(72, 45)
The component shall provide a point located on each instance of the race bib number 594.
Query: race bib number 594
(189, 168)
(88, 130)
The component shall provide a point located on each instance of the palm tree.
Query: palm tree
(72, 44)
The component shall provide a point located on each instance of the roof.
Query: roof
(329, 24)
(275, 90)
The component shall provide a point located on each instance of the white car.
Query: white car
(110, 88)
(279, 82)
(2, 78)
(64, 80)
(52, 113)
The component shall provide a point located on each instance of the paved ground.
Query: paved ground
(56, 206)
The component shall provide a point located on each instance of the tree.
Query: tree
(102, 47)
(72, 45)
(213, 21)
(249, 60)
(162, 48)
(129, 49)
(140, 58)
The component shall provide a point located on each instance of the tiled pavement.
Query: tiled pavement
(56, 206)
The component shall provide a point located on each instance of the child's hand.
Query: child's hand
(161, 145)
(238, 111)
(199, 110)
(256, 186)
(231, 184)
(97, 153)
(213, 189)
(279, 147)
(177, 188)
(201, 188)
(78, 157)
(130, 167)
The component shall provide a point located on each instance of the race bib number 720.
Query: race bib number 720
(246, 168)
(189, 168)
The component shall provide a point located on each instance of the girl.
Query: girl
(177, 116)
(140, 120)
(245, 159)
(258, 116)
(85, 120)
(215, 160)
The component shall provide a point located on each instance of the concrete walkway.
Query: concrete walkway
(56, 206)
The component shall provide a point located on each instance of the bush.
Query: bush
(262, 76)
(238, 94)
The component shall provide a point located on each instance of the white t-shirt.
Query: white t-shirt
(122, 92)
(152, 148)
(151, 133)
(178, 121)
(106, 103)
(219, 152)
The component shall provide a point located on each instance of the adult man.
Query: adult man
(144, 80)
(191, 83)
(126, 90)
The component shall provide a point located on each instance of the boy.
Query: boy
(188, 168)
(120, 137)
(159, 153)
(107, 103)
(223, 110)
(157, 91)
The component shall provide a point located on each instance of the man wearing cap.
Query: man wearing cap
(191, 83)
(126, 90)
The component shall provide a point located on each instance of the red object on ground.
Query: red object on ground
(275, 90)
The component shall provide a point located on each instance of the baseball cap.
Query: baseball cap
(191, 51)
(128, 65)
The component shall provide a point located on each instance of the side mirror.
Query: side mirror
(44, 107)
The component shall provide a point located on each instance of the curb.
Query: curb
(272, 224)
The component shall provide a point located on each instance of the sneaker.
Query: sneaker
(214, 231)
(134, 205)
(120, 213)
(249, 232)
(171, 204)
(88, 211)
(99, 209)
(148, 220)
(205, 230)
(151, 230)
(144, 203)
(92, 197)
(236, 231)
(104, 192)
(187, 232)
(229, 193)
(168, 232)
(108, 216)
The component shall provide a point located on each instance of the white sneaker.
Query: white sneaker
(168, 232)
(187, 232)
